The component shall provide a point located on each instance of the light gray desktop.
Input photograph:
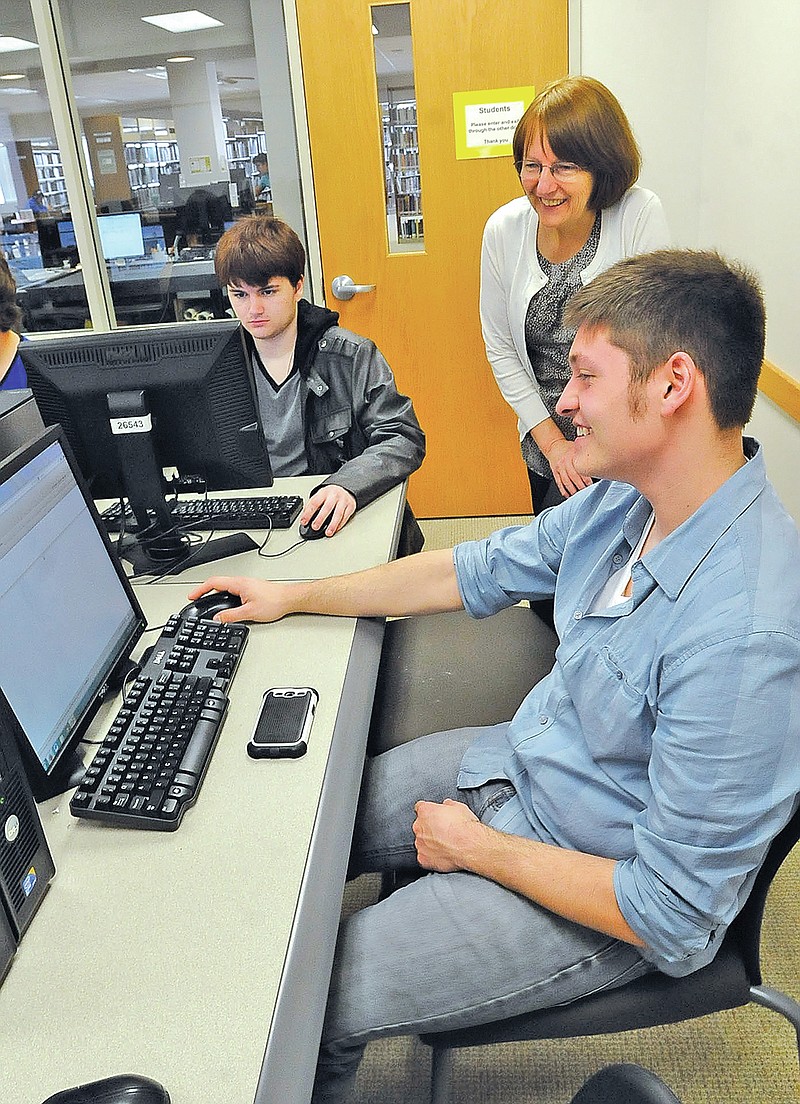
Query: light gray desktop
(202, 957)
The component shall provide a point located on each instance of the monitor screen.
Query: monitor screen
(66, 233)
(153, 237)
(70, 618)
(199, 409)
(120, 235)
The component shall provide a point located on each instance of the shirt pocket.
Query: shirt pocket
(617, 717)
(331, 428)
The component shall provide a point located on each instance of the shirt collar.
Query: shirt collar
(674, 559)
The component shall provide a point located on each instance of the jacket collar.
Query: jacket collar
(312, 323)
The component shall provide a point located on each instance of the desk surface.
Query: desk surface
(201, 957)
(369, 538)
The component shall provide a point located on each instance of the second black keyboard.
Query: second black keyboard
(263, 512)
(149, 768)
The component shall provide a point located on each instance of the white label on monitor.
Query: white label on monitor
(141, 424)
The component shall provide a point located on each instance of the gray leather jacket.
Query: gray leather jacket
(359, 430)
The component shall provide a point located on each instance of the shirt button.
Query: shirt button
(323, 344)
(616, 559)
(330, 433)
(577, 615)
(543, 719)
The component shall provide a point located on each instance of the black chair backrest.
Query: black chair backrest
(746, 928)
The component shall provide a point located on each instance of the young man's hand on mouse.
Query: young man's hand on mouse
(331, 507)
(261, 601)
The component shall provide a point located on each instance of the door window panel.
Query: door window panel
(397, 99)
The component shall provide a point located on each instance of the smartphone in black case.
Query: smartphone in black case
(284, 723)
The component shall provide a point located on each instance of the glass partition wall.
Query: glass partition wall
(129, 141)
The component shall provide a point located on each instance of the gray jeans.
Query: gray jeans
(448, 950)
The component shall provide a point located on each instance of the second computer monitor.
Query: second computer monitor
(195, 380)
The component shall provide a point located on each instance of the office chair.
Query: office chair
(449, 671)
(731, 980)
(624, 1083)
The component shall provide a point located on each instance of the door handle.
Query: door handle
(343, 287)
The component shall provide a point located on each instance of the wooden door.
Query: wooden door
(423, 313)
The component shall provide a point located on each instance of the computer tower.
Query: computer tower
(26, 865)
(20, 420)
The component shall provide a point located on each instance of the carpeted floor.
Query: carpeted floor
(745, 1056)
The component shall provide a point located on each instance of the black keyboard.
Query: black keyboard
(266, 512)
(149, 768)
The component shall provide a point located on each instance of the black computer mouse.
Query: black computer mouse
(126, 1088)
(307, 533)
(206, 606)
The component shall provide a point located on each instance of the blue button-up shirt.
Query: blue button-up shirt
(666, 735)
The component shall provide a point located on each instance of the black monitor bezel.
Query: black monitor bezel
(197, 381)
(126, 376)
(61, 774)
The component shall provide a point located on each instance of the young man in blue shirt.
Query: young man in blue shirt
(615, 825)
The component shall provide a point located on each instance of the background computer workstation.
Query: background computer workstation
(222, 932)
(159, 262)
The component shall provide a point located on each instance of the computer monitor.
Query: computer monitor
(120, 235)
(20, 420)
(70, 617)
(153, 237)
(136, 401)
(66, 233)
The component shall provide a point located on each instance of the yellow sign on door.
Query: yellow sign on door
(485, 121)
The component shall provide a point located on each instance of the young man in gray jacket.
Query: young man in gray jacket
(327, 398)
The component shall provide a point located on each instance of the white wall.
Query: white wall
(652, 55)
(712, 89)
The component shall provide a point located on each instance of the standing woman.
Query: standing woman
(12, 373)
(582, 210)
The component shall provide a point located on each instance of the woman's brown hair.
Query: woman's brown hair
(584, 123)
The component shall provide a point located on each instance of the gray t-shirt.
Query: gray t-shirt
(281, 415)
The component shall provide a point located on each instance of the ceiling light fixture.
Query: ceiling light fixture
(181, 57)
(181, 21)
(8, 43)
(13, 76)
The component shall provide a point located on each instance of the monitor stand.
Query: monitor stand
(163, 550)
(66, 776)
(142, 563)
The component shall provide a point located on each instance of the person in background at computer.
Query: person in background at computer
(616, 824)
(328, 400)
(261, 185)
(578, 162)
(38, 203)
(12, 373)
